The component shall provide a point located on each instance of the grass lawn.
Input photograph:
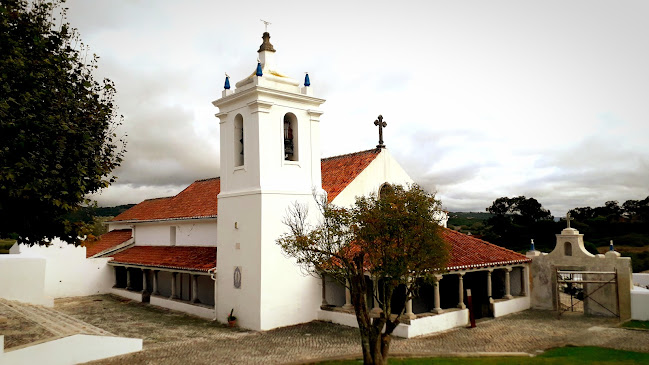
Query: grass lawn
(637, 324)
(564, 355)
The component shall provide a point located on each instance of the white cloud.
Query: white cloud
(482, 99)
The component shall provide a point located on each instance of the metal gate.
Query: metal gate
(573, 288)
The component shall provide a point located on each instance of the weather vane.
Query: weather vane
(266, 24)
(379, 121)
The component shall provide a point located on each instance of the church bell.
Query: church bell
(288, 139)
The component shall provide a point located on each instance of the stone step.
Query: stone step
(57, 323)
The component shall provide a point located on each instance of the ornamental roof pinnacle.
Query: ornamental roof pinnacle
(266, 46)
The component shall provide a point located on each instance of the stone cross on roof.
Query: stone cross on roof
(379, 121)
(568, 219)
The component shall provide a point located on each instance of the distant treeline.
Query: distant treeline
(514, 222)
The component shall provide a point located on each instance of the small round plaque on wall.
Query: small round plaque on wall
(237, 277)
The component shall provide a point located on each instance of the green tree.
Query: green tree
(57, 123)
(395, 238)
(517, 220)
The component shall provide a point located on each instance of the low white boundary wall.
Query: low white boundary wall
(177, 305)
(70, 350)
(67, 271)
(132, 295)
(432, 324)
(22, 278)
(641, 280)
(640, 304)
(505, 307)
(417, 327)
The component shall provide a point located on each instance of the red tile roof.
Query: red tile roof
(172, 257)
(340, 171)
(107, 240)
(198, 200)
(469, 252)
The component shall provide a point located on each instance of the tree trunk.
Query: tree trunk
(374, 342)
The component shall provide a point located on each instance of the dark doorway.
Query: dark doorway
(477, 282)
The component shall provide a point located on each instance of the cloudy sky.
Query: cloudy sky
(483, 99)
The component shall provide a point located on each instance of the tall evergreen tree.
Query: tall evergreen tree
(57, 123)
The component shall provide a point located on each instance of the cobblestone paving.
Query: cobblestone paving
(173, 338)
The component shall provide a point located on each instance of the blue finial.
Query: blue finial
(259, 73)
(227, 82)
(532, 246)
(611, 246)
(307, 82)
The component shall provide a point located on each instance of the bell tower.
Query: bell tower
(270, 159)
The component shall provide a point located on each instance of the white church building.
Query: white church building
(211, 249)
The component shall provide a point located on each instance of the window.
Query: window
(567, 248)
(239, 156)
(385, 188)
(290, 137)
(172, 235)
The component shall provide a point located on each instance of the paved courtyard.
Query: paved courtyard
(173, 338)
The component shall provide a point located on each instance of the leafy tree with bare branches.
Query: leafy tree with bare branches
(395, 238)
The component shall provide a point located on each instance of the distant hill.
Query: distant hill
(467, 218)
(468, 222)
(112, 211)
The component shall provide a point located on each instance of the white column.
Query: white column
(155, 283)
(324, 290)
(508, 293)
(195, 289)
(460, 303)
(348, 297)
(144, 288)
(115, 272)
(438, 308)
(173, 286)
(489, 285)
(409, 314)
(524, 281)
(128, 279)
(377, 309)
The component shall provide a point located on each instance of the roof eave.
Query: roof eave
(206, 217)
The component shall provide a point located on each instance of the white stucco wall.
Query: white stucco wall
(67, 271)
(285, 288)
(128, 294)
(195, 310)
(70, 350)
(22, 278)
(383, 169)
(239, 247)
(433, 324)
(115, 226)
(417, 327)
(641, 279)
(507, 306)
(640, 304)
(188, 233)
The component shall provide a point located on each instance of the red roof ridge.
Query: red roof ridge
(376, 150)
(199, 200)
(471, 252)
(158, 198)
(483, 241)
(108, 241)
(190, 258)
(207, 179)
